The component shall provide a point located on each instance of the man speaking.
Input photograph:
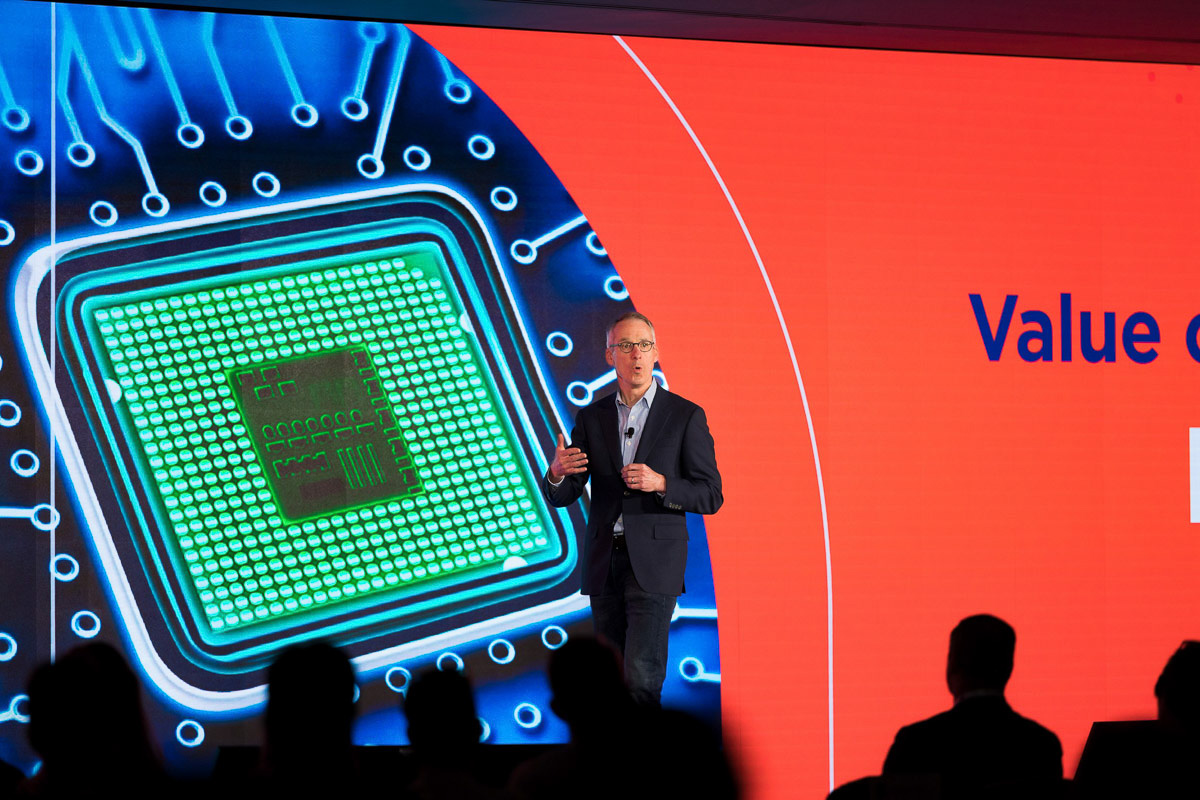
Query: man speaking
(650, 458)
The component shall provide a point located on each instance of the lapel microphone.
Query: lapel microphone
(629, 433)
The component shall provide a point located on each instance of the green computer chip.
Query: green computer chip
(317, 434)
(318, 421)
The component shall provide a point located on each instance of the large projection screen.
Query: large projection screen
(941, 311)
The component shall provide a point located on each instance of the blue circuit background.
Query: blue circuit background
(117, 118)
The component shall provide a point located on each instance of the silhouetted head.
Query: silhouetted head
(440, 708)
(310, 702)
(1178, 688)
(981, 655)
(48, 713)
(587, 683)
(86, 715)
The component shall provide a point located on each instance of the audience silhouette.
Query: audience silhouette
(309, 721)
(587, 691)
(10, 780)
(1178, 691)
(1150, 758)
(980, 747)
(87, 726)
(617, 748)
(444, 732)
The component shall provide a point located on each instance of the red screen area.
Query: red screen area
(806, 227)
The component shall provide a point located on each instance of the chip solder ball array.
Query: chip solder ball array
(317, 436)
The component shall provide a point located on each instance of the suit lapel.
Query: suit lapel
(656, 421)
(608, 422)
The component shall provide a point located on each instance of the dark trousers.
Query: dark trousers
(638, 623)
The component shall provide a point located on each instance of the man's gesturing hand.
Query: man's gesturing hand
(643, 479)
(567, 461)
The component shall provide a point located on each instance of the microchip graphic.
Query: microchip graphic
(295, 315)
(326, 433)
(309, 427)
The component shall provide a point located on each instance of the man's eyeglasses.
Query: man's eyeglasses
(627, 347)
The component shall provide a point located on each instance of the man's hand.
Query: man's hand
(643, 479)
(567, 461)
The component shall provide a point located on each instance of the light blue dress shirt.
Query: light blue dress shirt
(635, 419)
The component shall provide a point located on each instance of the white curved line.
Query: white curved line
(795, 368)
(54, 67)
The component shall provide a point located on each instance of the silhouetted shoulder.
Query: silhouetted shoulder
(979, 742)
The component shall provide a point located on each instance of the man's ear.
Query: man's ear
(954, 683)
(608, 356)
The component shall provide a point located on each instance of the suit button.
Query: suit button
(627, 493)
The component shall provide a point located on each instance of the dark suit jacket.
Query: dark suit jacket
(676, 443)
(979, 743)
(1138, 758)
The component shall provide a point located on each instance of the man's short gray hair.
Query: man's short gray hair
(628, 315)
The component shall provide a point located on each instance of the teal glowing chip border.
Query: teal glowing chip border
(175, 354)
(156, 338)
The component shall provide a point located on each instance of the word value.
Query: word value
(1139, 333)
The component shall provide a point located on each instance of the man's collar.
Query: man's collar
(648, 396)
(975, 694)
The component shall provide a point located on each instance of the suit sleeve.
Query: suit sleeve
(697, 487)
(571, 487)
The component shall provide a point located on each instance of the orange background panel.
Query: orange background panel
(881, 189)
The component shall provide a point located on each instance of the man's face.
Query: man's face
(633, 368)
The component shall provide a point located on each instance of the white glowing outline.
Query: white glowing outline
(787, 339)
(25, 289)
